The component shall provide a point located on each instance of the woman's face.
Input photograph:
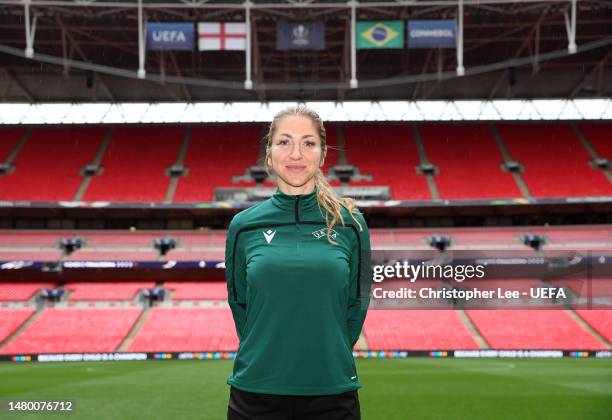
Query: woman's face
(296, 154)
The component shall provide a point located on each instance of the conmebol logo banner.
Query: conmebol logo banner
(169, 36)
(432, 34)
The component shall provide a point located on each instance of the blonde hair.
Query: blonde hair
(326, 198)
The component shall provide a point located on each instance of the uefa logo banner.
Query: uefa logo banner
(300, 36)
(169, 36)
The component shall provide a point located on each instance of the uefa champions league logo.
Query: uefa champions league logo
(300, 35)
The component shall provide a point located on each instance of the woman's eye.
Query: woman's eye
(282, 142)
(310, 144)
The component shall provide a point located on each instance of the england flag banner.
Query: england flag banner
(221, 36)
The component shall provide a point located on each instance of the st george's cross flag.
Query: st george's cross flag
(221, 36)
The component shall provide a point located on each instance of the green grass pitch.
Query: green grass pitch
(416, 388)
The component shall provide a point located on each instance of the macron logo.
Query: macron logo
(269, 235)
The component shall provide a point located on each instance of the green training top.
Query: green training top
(298, 301)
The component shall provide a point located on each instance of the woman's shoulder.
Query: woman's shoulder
(250, 214)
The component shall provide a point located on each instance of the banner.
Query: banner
(221, 36)
(432, 34)
(300, 36)
(169, 36)
(382, 34)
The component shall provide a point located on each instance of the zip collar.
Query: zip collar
(295, 203)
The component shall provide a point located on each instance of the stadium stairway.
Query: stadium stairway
(520, 182)
(180, 162)
(424, 161)
(590, 148)
(95, 163)
(18, 145)
(134, 330)
(473, 330)
(585, 326)
(22, 327)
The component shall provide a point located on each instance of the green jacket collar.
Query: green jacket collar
(289, 202)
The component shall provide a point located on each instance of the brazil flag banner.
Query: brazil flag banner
(380, 34)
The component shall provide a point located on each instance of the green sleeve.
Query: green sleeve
(235, 276)
(359, 297)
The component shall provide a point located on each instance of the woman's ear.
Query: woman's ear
(323, 158)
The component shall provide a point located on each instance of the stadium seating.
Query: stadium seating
(8, 140)
(19, 291)
(556, 164)
(389, 154)
(135, 163)
(469, 162)
(75, 330)
(47, 167)
(124, 290)
(210, 245)
(418, 329)
(532, 329)
(197, 290)
(187, 329)
(215, 155)
(599, 319)
(12, 319)
(598, 135)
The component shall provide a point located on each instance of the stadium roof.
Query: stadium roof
(89, 51)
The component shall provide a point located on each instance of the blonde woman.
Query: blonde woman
(296, 271)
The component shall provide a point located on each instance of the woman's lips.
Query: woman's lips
(295, 168)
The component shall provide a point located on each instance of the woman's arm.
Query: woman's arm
(359, 290)
(235, 276)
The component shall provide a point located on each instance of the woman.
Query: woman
(297, 278)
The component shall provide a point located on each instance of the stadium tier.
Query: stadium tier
(556, 164)
(197, 290)
(68, 330)
(598, 136)
(210, 328)
(468, 159)
(393, 329)
(210, 245)
(135, 163)
(22, 291)
(389, 154)
(599, 319)
(183, 329)
(469, 162)
(48, 165)
(9, 138)
(119, 290)
(10, 320)
(532, 329)
(214, 157)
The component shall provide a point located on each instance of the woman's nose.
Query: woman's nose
(296, 152)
